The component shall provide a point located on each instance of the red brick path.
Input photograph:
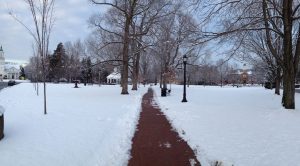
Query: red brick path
(155, 143)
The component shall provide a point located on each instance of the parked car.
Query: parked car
(11, 83)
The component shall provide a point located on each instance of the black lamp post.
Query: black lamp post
(184, 78)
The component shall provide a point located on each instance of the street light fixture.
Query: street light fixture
(184, 78)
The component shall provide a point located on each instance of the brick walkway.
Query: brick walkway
(155, 143)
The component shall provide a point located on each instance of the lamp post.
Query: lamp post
(184, 78)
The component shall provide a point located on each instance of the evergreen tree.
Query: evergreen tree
(89, 70)
(58, 63)
(86, 72)
(22, 73)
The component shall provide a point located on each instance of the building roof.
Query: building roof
(114, 75)
(241, 71)
(15, 63)
(11, 69)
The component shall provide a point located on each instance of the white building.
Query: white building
(10, 69)
(114, 78)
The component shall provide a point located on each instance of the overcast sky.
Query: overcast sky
(70, 25)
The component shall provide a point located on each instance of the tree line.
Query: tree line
(147, 39)
(267, 31)
(68, 63)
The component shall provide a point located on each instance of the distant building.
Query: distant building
(114, 78)
(10, 69)
(242, 76)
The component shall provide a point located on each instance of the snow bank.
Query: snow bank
(86, 126)
(18, 81)
(239, 126)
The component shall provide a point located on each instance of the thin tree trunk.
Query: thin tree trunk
(164, 77)
(37, 88)
(136, 63)
(37, 75)
(134, 76)
(136, 71)
(161, 77)
(277, 81)
(44, 82)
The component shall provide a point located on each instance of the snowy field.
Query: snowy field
(87, 126)
(94, 125)
(239, 126)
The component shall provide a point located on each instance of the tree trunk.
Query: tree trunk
(277, 81)
(164, 77)
(44, 83)
(161, 78)
(288, 66)
(136, 71)
(136, 64)
(125, 58)
(134, 75)
(289, 90)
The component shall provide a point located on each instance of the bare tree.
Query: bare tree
(128, 9)
(141, 29)
(256, 43)
(143, 17)
(175, 37)
(75, 51)
(42, 14)
(282, 18)
(278, 18)
(223, 70)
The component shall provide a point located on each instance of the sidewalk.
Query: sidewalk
(155, 143)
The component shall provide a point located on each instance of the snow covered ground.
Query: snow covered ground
(18, 81)
(239, 126)
(87, 126)
(94, 125)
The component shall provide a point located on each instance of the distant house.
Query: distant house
(242, 76)
(114, 78)
(10, 69)
(12, 72)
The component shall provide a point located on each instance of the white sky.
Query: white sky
(71, 24)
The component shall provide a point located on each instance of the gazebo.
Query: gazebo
(114, 78)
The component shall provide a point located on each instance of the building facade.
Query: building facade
(114, 78)
(9, 69)
(242, 76)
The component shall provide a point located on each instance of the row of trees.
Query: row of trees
(267, 31)
(147, 38)
(69, 62)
